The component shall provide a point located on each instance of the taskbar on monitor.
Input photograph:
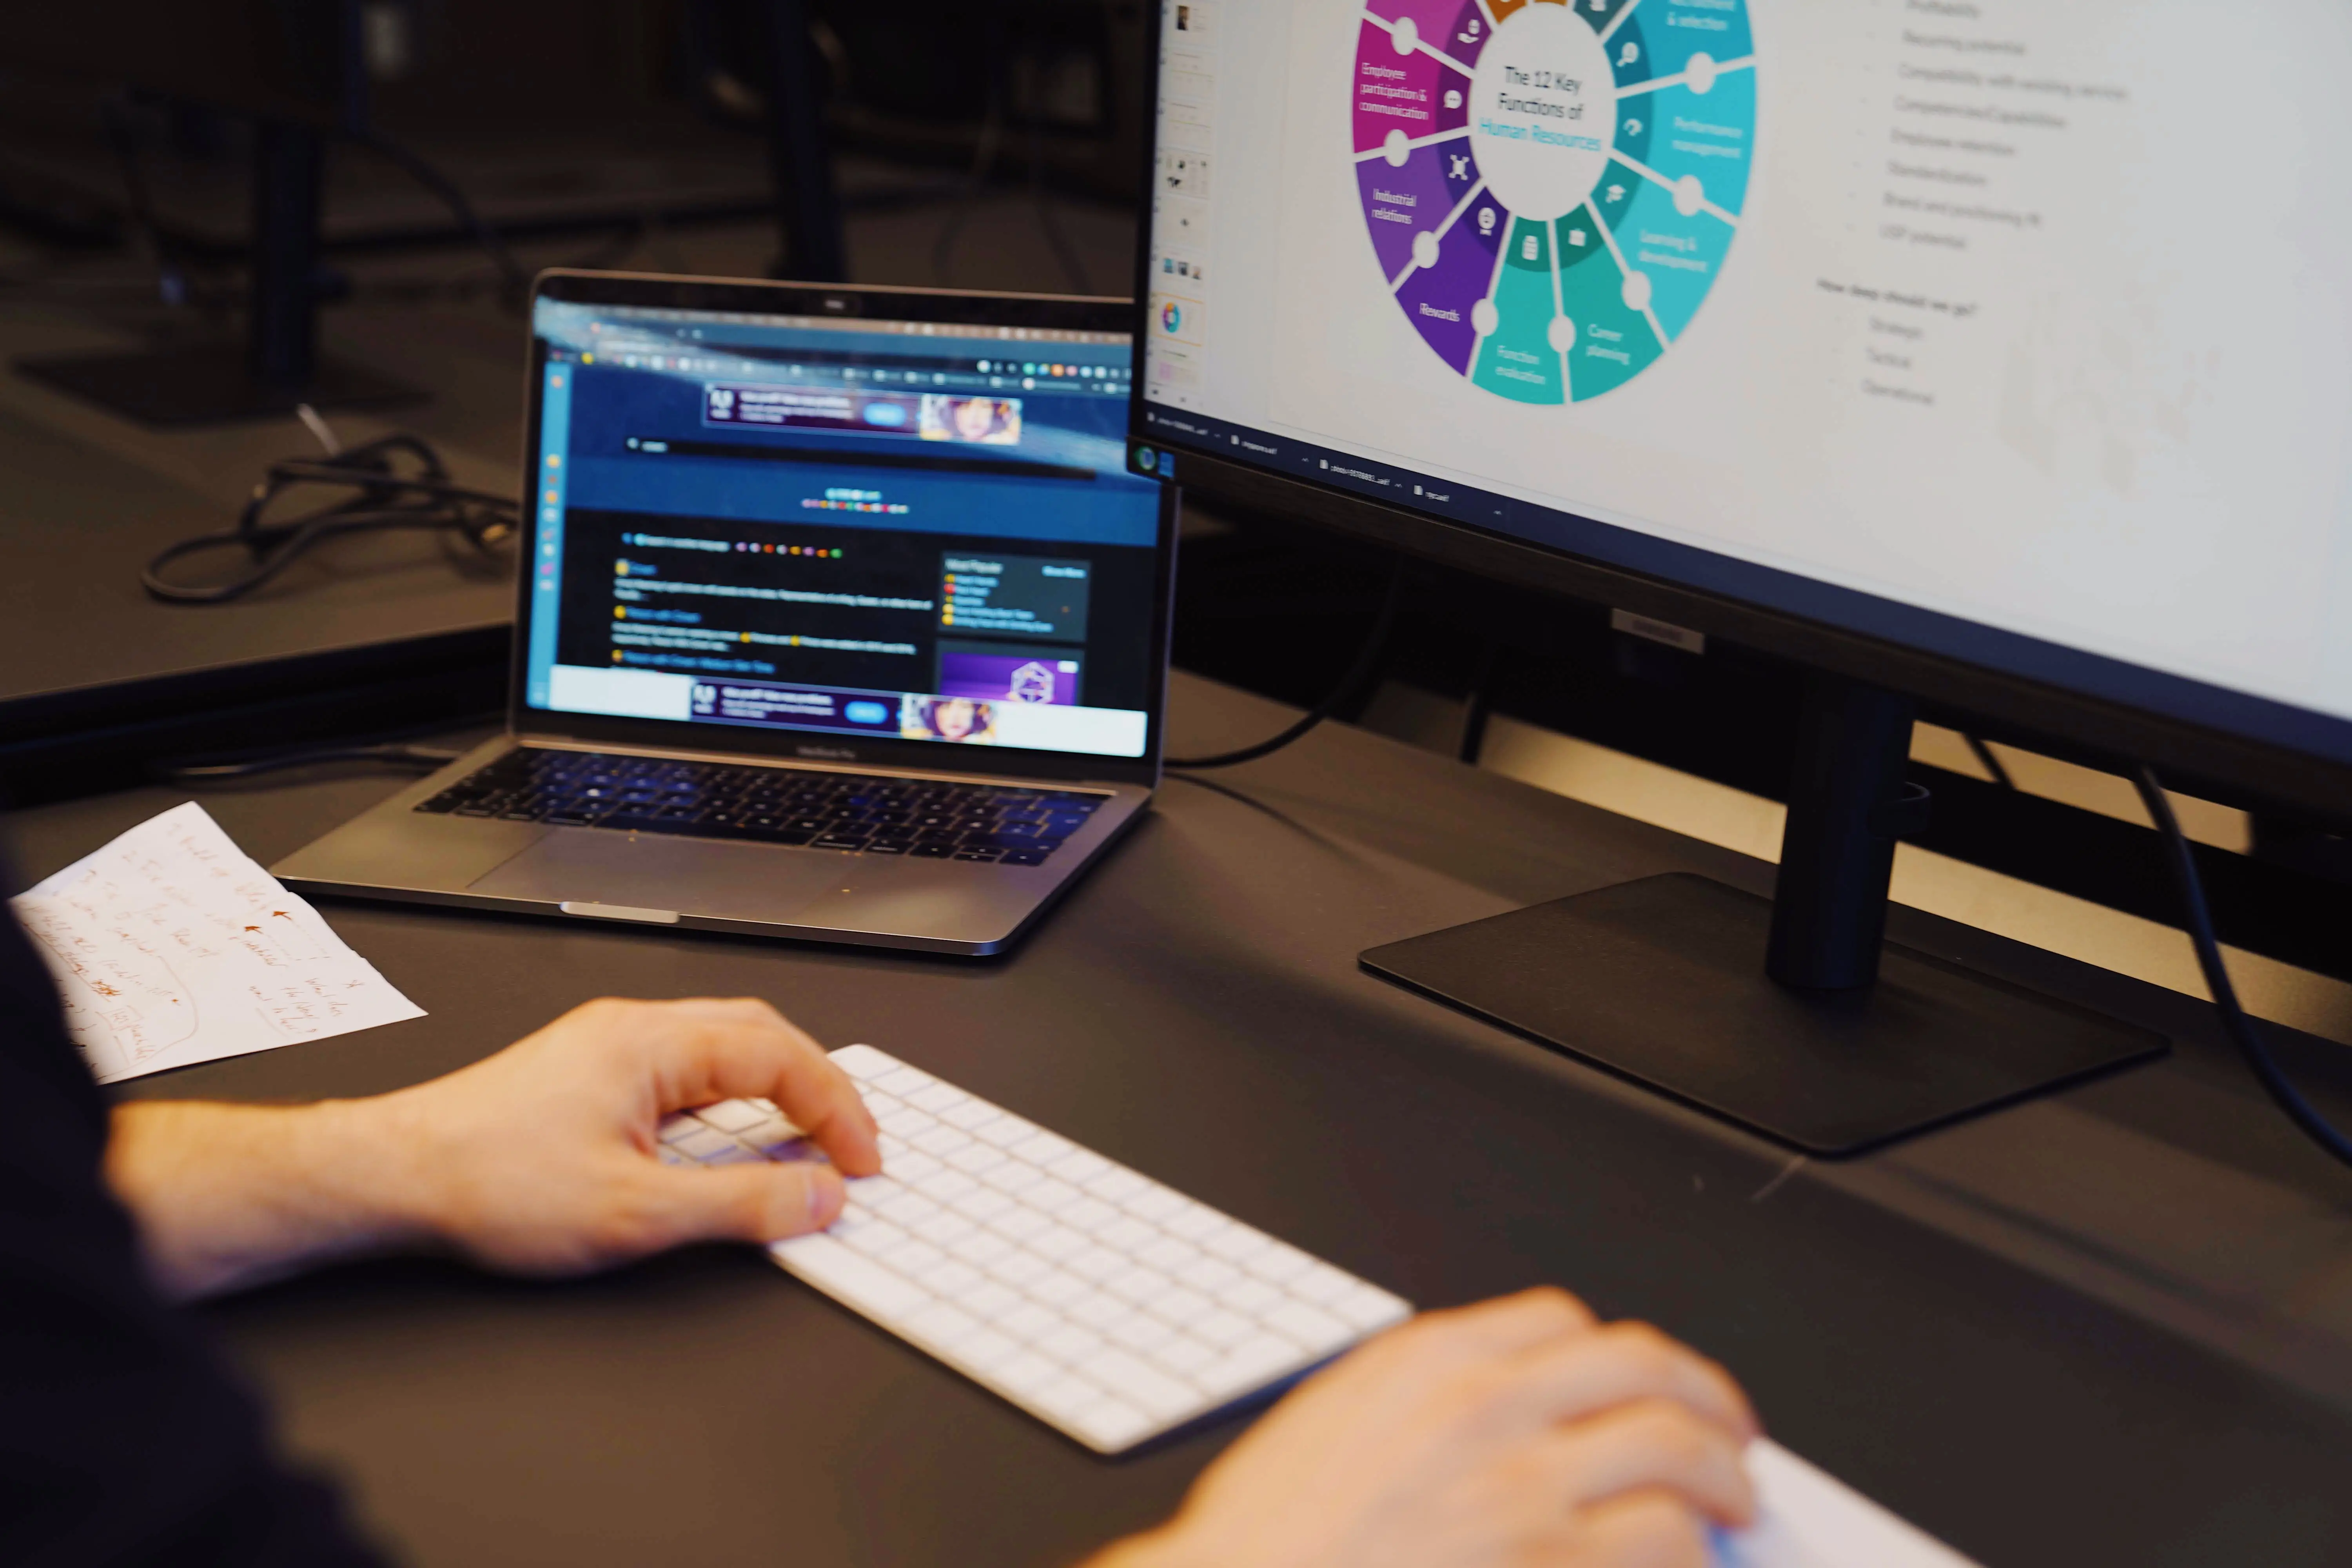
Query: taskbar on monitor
(2261, 719)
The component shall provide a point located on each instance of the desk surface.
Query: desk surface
(2114, 1326)
(82, 637)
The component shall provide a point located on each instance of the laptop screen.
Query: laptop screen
(905, 530)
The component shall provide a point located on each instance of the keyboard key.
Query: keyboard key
(1042, 1147)
(875, 1237)
(733, 1115)
(1253, 1362)
(1127, 1233)
(967, 1114)
(1130, 1377)
(1056, 1288)
(1178, 1306)
(1089, 1215)
(1098, 1311)
(1111, 1422)
(942, 1323)
(988, 1350)
(1022, 1223)
(1222, 1329)
(1181, 1354)
(1029, 1373)
(1255, 1297)
(938, 1139)
(1366, 1308)
(1028, 1320)
(983, 1203)
(1279, 1264)
(1058, 1242)
(936, 1097)
(1154, 1204)
(1321, 1284)
(1067, 1395)
(1116, 1185)
(1097, 1264)
(836, 1270)
(863, 1062)
(703, 1144)
(1051, 1195)
(976, 1157)
(953, 1277)
(989, 1301)
(1080, 1166)
(1317, 1331)
(1004, 1132)
(1138, 1285)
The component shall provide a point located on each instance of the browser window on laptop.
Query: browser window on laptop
(917, 531)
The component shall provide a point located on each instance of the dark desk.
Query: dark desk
(2115, 1326)
(370, 633)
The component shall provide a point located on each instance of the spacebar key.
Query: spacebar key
(835, 1269)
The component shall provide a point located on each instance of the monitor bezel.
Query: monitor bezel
(2230, 764)
(1058, 312)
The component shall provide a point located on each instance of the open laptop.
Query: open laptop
(844, 617)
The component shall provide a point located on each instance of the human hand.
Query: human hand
(1514, 1434)
(540, 1160)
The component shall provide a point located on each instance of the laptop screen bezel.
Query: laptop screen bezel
(957, 308)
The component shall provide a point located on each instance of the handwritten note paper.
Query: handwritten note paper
(171, 946)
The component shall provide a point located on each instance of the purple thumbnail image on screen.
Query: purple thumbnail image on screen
(1010, 677)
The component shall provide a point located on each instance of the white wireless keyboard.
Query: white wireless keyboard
(1103, 1303)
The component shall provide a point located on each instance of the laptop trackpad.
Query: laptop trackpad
(690, 876)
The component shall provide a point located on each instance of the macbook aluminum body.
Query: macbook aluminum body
(844, 617)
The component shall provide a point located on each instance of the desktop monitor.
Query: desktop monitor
(1999, 356)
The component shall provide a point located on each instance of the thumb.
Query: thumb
(754, 1202)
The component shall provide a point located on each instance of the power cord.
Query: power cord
(2241, 1030)
(1359, 676)
(399, 482)
(422, 759)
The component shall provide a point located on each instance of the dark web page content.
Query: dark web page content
(855, 533)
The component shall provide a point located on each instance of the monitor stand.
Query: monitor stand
(1791, 1016)
(278, 366)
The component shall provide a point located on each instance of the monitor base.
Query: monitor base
(209, 384)
(1663, 981)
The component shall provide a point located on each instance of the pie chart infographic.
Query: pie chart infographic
(1551, 188)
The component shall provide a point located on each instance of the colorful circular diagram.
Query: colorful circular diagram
(1552, 185)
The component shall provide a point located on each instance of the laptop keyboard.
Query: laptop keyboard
(1094, 1298)
(858, 812)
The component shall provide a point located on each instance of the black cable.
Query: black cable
(1991, 762)
(385, 497)
(1360, 674)
(2234, 1022)
(424, 758)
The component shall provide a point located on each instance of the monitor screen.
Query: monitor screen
(2017, 333)
(884, 529)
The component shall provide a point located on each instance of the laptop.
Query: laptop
(845, 618)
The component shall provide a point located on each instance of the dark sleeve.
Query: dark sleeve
(124, 1439)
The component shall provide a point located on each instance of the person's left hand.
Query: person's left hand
(540, 1160)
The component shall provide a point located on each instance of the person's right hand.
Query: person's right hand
(1516, 1433)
